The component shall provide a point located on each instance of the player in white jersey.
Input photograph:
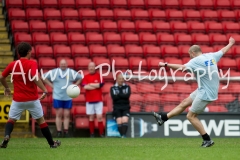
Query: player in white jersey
(204, 67)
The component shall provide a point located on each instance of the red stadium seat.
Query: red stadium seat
(231, 27)
(222, 4)
(102, 61)
(40, 38)
(19, 26)
(105, 14)
(182, 87)
(61, 51)
(169, 98)
(155, 14)
(183, 50)
(170, 4)
(226, 63)
(111, 38)
(224, 98)
(16, 14)
(173, 60)
(49, 3)
(218, 39)
(187, 4)
(205, 4)
(235, 36)
(136, 99)
(94, 38)
(73, 26)
(226, 15)
(236, 51)
(101, 3)
(120, 63)
(81, 63)
(163, 87)
(235, 4)
(134, 63)
(115, 50)
(145, 87)
(161, 26)
(181, 39)
(80, 100)
(69, 13)
(69, 61)
(37, 26)
(138, 14)
(126, 26)
(213, 27)
(76, 38)
(14, 4)
(106, 87)
(220, 108)
(153, 63)
(150, 98)
(91, 26)
(165, 39)
(143, 26)
(191, 15)
(108, 26)
(55, 26)
(82, 122)
(88, 14)
(135, 108)
(168, 108)
(175, 15)
(97, 51)
(31, 4)
(44, 51)
(84, 4)
(130, 38)
(119, 4)
(151, 51)
(133, 87)
(79, 109)
(150, 108)
(46, 63)
(209, 15)
(179, 27)
(58, 38)
(22, 37)
(134, 50)
(34, 14)
(207, 49)
(122, 14)
(200, 39)
(66, 3)
(196, 27)
(51, 14)
(147, 38)
(79, 51)
(136, 4)
(169, 51)
(153, 4)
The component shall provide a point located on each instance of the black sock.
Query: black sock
(120, 129)
(124, 128)
(46, 133)
(9, 127)
(164, 116)
(206, 137)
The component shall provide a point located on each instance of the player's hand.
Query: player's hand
(231, 40)
(43, 96)
(161, 64)
(7, 92)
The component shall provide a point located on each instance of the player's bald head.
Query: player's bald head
(120, 79)
(63, 64)
(91, 67)
(195, 49)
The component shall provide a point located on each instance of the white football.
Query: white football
(73, 91)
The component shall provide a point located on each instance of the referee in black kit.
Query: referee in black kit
(120, 93)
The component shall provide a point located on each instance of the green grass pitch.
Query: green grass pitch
(121, 149)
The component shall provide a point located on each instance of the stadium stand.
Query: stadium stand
(127, 31)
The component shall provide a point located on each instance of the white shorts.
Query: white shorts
(34, 108)
(198, 105)
(94, 108)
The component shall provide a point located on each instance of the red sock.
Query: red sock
(100, 127)
(91, 127)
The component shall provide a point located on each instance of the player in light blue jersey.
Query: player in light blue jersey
(204, 67)
(59, 79)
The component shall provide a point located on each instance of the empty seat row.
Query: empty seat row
(128, 4)
(122, 14)
(124, 26)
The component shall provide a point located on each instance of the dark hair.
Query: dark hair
(23, 48)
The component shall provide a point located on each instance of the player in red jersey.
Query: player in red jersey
(25, 97)
(92, 84)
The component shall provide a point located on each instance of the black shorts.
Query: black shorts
(121, 113)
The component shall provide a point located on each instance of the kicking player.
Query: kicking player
(25, 96)
(207, 87)
(92, 84)
(120, 94)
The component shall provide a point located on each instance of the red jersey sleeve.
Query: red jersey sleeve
(7, 70)
(34, 68)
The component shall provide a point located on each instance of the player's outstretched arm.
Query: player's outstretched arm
(227, 47)
(173, 66)
(7, 90)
